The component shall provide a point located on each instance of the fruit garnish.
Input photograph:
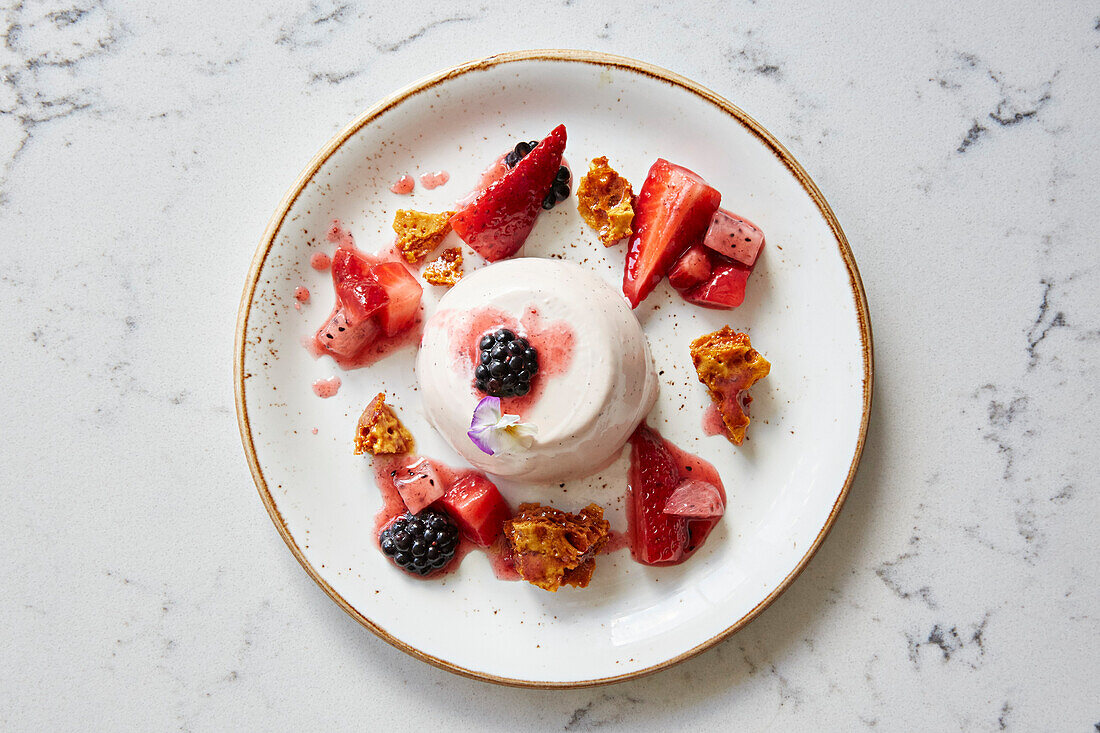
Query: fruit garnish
(380, 432)
(551, 548)
(728, 365)
(605, 201)
(496, 433)
(695, 499)
(735, 237)
(418, 484)
(672, 212)
(506, 364)
(476, 506)
(656, 538)
(346, 337)
(419, 233)
(497, 223)
(403, 297)
(725, 288)
(420, 543)
(446, 270)
(692, 268)
(357, 290)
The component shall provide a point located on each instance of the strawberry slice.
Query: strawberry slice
(724, 289)
(477, 507)
(697, 500)
(657, 538)
(672, 212)
(357, 291)
(418, 484)
(734, 237)
(692, 268)
(497, 223)
(402, 296)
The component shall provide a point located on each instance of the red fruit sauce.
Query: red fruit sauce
(386, 467)
(320, 261)
(434, 179)
(325, 388)
(403, 185)
(712, 421)
(301, 294)
(689, 466)
(554, 340)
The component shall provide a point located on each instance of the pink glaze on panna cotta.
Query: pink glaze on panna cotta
(403, 185)
(595, 382)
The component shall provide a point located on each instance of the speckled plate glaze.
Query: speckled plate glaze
(805, 311)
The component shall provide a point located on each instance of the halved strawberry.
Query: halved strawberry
(418, 484)
(497, 223)
(656, 538)
(724, 289)
(357, 290)
(692, 268)
(697, 500)
(402, 296)
(477, 507)
(672, 212)
(734, 237)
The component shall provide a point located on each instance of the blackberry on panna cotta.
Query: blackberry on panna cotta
(420, 543)
(559, 190)
(506, 364)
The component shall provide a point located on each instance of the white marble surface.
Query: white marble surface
(142, 148)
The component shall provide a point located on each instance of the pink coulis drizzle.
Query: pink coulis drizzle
(712, 421)
(314, 431)
(403, 185)
(301, 294)
(325, 388)
(554, 341)
(434, 179)
(386, 467)
(382, 346)
(320, 261)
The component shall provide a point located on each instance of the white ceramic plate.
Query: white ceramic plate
(805, 311)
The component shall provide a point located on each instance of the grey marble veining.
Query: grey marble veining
(142, 148)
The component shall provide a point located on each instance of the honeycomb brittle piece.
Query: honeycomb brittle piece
(447, 269)
(418, 233)
(606, 202)
(728, 365)
(379, 431)
(552, 548)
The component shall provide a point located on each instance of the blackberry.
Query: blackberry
(420, 543)
(507, 364)
(559, 190)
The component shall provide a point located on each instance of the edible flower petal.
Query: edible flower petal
(494, 432)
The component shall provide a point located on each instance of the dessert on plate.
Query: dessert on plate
(537, 371)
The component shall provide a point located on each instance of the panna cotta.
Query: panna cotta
(595, 383)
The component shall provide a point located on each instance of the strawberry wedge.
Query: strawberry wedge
(498, 221)
(673, 212)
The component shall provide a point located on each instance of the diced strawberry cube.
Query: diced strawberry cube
(346, 336)
(696, 499)
(724, 289)
(477, 507)
(357, 291)
(672, 212)
(403, 297)
(418, 484)
(498, 221)
(734, 237)
(692, 268)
